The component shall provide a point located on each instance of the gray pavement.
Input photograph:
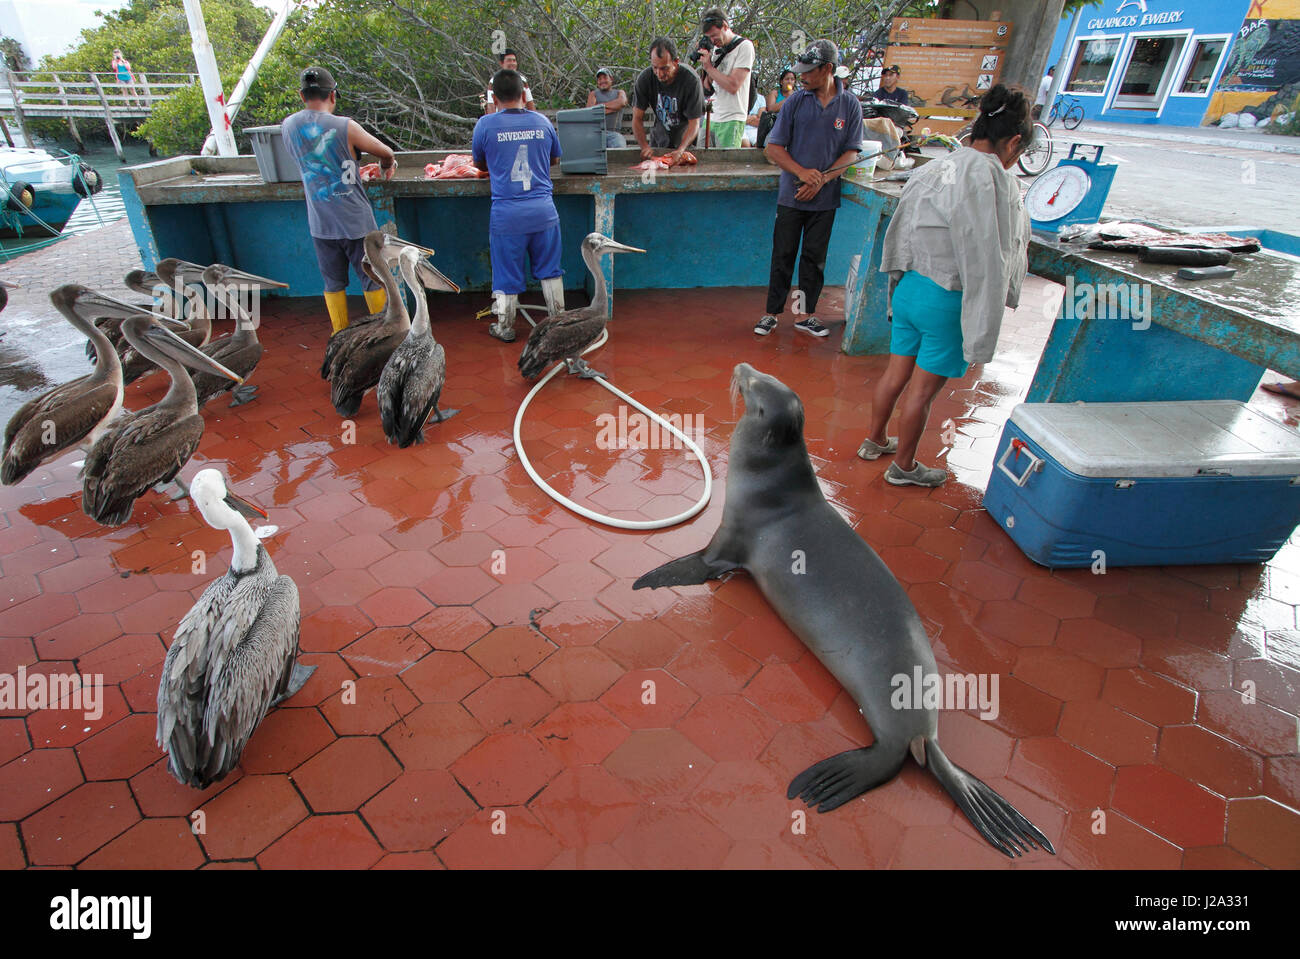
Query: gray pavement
(1249, 139)
(1192, 184)
(38, 349)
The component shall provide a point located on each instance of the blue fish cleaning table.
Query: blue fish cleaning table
(710, 225)
(703, 226)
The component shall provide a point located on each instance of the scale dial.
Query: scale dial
(1057, 192)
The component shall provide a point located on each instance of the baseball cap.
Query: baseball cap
(317, 78)
(605, 70)
(893, 69)
(818, 52)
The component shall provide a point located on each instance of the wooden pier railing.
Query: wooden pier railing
(73, 96)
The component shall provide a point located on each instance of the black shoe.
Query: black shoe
(765, 325)
(810, 325)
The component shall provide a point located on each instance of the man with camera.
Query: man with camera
(727, 60)
(673, 96)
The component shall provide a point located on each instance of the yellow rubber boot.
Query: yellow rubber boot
(376, 300)
(337, 304)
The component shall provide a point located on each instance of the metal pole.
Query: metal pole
(210, 80)
(18, 109)
(250, 72)
(1059, 76)
(108, 118)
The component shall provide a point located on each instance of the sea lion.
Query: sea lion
(847, 607)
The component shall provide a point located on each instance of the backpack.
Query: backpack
(723, 51)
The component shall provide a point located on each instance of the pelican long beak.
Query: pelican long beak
(397, 241)
(111, 306)
(228, 274)
(195, 359)
(9, 286)
(244, 507)
(612, 246)
(433, 278)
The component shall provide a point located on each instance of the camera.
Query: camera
(706, 45)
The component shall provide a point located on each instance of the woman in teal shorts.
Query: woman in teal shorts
(957, 246)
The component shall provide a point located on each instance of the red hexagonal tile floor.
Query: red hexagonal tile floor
(491, 691)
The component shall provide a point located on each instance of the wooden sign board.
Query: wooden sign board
(971, 33)
(932, 72)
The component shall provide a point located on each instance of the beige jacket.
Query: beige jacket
(961, 223)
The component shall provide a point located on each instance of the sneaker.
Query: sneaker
(918, 475)
(871, 450)
(505, 336)
(765, 325)
(810, 325)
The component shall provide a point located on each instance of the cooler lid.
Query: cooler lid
(1190, 438)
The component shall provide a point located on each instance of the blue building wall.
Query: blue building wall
(1130, 20)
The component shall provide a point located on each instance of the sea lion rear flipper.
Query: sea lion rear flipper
(996, 819)
(691, 570)
(832, 782)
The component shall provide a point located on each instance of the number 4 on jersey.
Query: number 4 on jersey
(521, 172)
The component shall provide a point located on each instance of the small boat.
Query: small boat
(39, 190)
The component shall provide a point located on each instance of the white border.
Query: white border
(1157, 107)
(1214, 74)
(1074, 52)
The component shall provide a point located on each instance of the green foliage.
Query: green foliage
(15, 57)
(413, 71)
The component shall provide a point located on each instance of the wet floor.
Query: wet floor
(482, 657)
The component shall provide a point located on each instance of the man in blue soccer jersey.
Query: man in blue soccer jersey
(517, 147)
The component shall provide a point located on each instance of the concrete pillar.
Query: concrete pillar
(1034, 25)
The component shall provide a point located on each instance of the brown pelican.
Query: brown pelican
(192, 307)
(241, 351)
(565, 335)
(162, 299)
(235, 651)
(147, 448)
(412, 380)
(355, 357)
(76, 413)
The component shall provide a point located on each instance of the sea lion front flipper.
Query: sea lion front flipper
(996, 819)
(691, 570)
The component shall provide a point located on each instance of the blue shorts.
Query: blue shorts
(333, 257)
(927, 325)
(508, 252)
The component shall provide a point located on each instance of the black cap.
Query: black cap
(818, 52)
(317, 80)
(892, 69)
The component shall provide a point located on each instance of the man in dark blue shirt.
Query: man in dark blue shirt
(818, 129)
(517, 147)
(889, 88)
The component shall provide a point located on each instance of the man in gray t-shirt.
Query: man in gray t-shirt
(327, 149)
(614, 102)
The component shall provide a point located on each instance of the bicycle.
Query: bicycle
(1034, 160)
(1069, 109)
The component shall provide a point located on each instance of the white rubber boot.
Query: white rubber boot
(553, 291)
(504, 327)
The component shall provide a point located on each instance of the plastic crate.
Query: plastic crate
(582, 140)
(273, 161)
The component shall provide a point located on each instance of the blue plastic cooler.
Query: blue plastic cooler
(1147, 484)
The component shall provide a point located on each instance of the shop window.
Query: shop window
(1205, 57)
(1092, 62)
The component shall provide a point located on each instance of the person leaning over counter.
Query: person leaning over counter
(327, 149)
(957, 245)
(674, 97)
